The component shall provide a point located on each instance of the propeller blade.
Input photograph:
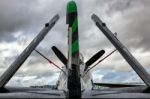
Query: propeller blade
(60, 55)
(94, 58)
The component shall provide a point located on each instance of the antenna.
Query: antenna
(50, 61)
(98, 62)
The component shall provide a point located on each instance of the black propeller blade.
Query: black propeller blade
(59, 54)
(94, 58)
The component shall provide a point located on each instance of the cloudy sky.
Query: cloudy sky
(21, 21)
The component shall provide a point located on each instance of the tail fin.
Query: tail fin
(74, 86)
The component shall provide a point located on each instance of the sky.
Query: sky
(22, 20)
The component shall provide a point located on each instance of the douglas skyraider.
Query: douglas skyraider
(75, 80)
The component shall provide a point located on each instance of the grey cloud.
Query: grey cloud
(32, 80)
(25, 16)
(13, 17)
(123, 5)
(120, 5)
(132, 24)
(109, 75)
(29, 17)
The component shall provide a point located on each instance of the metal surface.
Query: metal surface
(143, 74)
(74, 84)
(6, 76)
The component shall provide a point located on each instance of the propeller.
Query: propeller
(94, 58)
(60, 55)
(88, 69)
(64, 60)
